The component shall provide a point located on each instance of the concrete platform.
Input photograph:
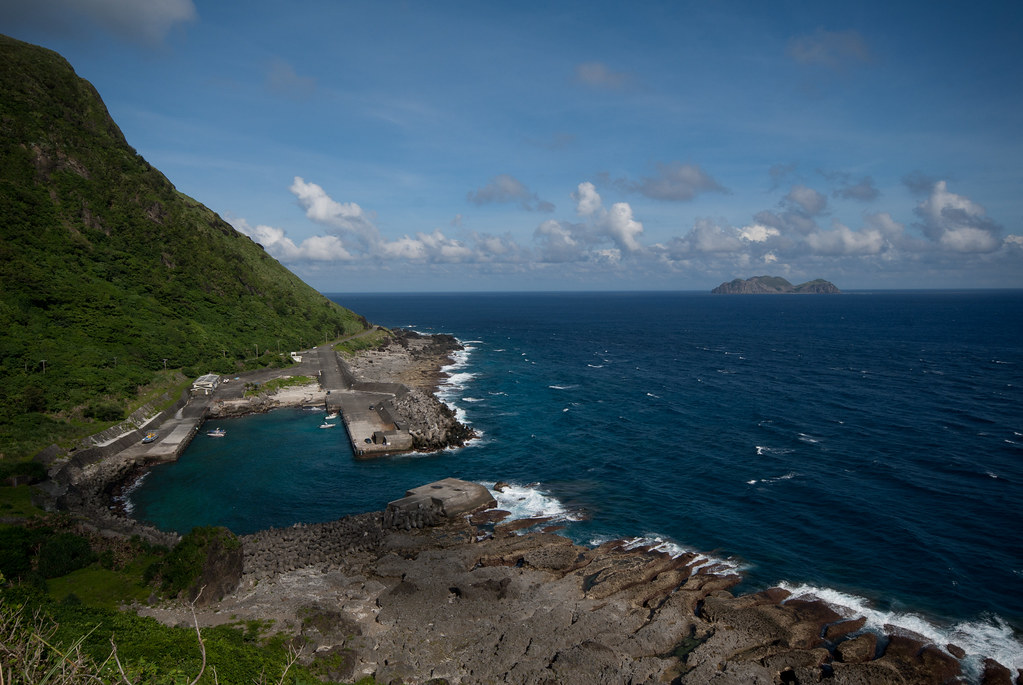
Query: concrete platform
(429, 504)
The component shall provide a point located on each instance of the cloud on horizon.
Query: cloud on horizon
(602, 238)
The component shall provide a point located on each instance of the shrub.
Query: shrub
(104, 410)
(64, 553)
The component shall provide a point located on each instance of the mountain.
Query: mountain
(108, 274)
(774, 285)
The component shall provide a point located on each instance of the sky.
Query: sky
(481, 146)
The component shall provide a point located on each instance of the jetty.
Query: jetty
(366, 409)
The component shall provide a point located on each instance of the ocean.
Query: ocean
(865, 448)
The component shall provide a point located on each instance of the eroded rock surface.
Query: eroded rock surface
(470, 604)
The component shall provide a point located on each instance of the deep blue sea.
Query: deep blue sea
(865, 448)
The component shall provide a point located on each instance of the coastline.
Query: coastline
(710, 634)
(481, 598)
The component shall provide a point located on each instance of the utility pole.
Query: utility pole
(257, 349)
(44, 366)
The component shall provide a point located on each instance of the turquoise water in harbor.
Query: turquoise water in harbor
(867, 447)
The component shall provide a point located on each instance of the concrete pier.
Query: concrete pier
(429, 504)
(364, 408)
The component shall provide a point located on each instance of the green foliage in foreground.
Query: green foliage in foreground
(109, 275)
(65, 642)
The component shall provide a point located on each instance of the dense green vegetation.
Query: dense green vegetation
(60, 599)
(367, 341)
(109, 275)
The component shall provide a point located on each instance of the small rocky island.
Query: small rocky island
(775, 285)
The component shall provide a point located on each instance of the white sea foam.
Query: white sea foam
(473, 399)
(595, 366)
(806, 438)
(766, 481)
(650, 394)
(456, 382)
(531, 501)
(124, 499)
(700, 562)
(562, 387)
(987, 637)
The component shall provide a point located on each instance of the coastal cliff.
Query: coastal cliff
(775, 285)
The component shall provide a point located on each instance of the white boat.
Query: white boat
(327, 425)
(331, 415)
(216, 433)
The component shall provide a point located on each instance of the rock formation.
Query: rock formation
(472, 602)
(774, 285)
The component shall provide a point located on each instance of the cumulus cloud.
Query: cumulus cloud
(281, 78)
(842, 240)
(277, 243)
(599, 75)
(673, 181)
(562, 241)
(807, 200)
(347, 218)
(587, 199)
(504, 188)
(833, 49)
(758, 233)
(956, 223)
(146, 23)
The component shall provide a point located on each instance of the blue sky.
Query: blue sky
(415, 146)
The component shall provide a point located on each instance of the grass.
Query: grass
(367, 341)
(102, 588)
(276, 384)
(17, 501)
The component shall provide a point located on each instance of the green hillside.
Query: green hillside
(106, 270)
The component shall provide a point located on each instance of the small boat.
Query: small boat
(216, 433)
(327, 425)
(151, 436)
(331, 415)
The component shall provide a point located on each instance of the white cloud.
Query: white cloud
(346, 218)
(956, 223)
(558, 242)
(844, 241)
(587, 199)
(624, 229)
(279, 245)
(758, 233)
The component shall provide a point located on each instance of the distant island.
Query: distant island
(775, 285)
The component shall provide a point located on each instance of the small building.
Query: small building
(206, 384)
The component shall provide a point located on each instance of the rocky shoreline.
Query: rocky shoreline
(468, 601)
(477, 600)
